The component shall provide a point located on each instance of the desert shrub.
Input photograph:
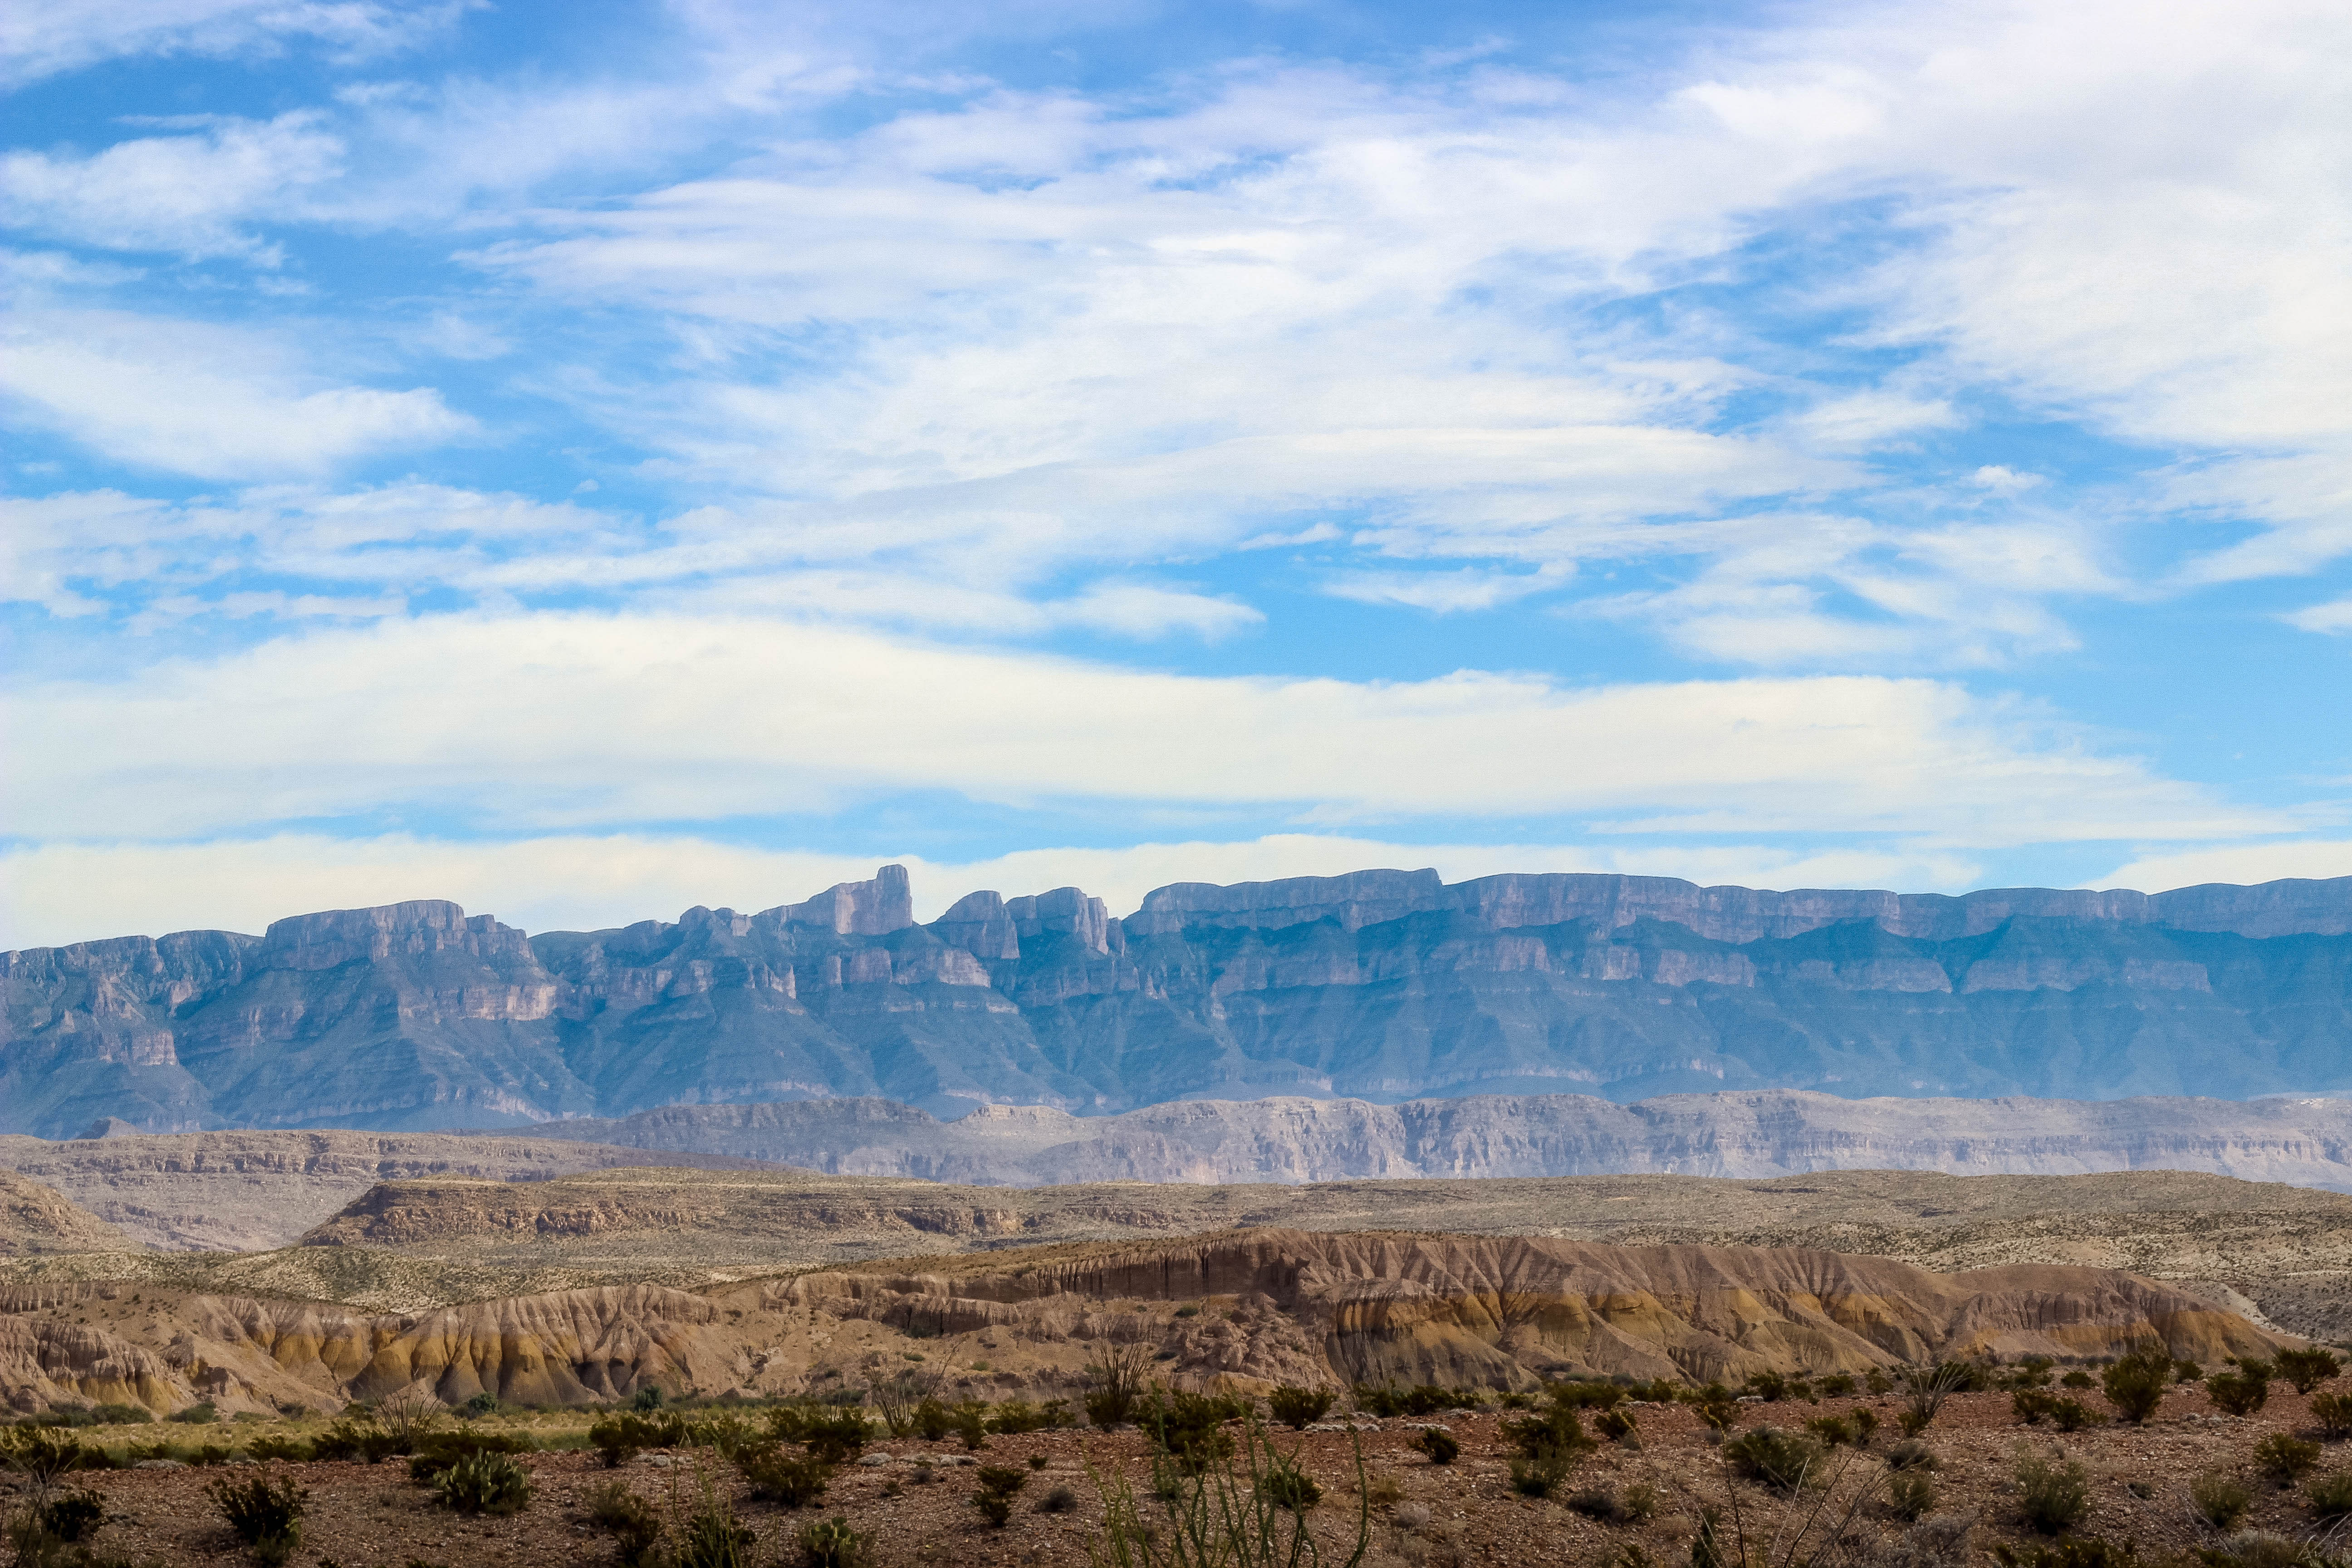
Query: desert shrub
(2286, 1458)
(831, 1543)
(2330, 1495)
(2075, 1552)
(481, 1405)
(2308, 1368)
(839, 1437)
(1441, 1447)
(1910, 1494)
(618, 1437)
(895, 1397)
(1912, 1455)
(2219, 1499)
(712, 1537)
(1853, 1429)
(70, 1515)
(1539, 1476)
(484, 1483)
(1836, 1385)
(263, 1449)
(1616, 1425)
(1038, 1461)
(1945, 1542)
(1554, 1430)
(1634, 1505)
(2032, 1406)
(1298, 1408)
(999, 1484)
(647, 1398)
(2071, 1415)
(2134, 1383)
(42, 1456)
(1061, 1499)
(1233, 1512)
(354, 1439)
(1781, 1460)
(1714, 1404)
(1926, 1388)
(1016, 1417)
(2078, 1378)
(2031, 1371)
(1116, 1384)
(1421, 1399)
(1772, 1387)
(794, 1480)
(2333, 1413)
(1285, 1485)
(2053, 1493)
(635, 1524)
(725, 1432)
(2187, 1371)
(2240, 1392)
(439, 1450)
(1878, 1381)
(1595, 1502)
(203, 1413)
(1190, 1428)
(266, 1515)
(2258, 1549)
(968, 1419)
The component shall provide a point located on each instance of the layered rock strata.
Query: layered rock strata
(1380, 985)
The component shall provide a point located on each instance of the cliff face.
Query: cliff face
(1382, 985)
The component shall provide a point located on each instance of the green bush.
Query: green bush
(1190, 1427)
(1421, 1399)
(1541, 1476)
(1595, 1502)
(831, 1543)
(2307, 1369)
(71, 1515)
(1061, 1499)
(2219, 1499)
(712, 1537)
(1910, 1495)
(1714, 1404)
(2071, 1415)
(776, 1476)
(204, 1412)
(1285, 1485)
(436, 1451)
(1014, 1416)
(1298, 1408)
(266, 1515)
(1634, 1506)
(2333, 1413)
(1554, 1434)
(841, 1437)
(2032, 1406)
(1782, 1460)
(2078, 1378)
(616, 1437)
(2053, 1493)
(481, 1405)
(635, 1524)
(484, 1482)
(262, 1449)
(647, 1398)
(1836, 1385)
(354, 1439)
(42, 1454)
(2134, 1383)
(1616, 1425)
(999, 1484)
(2286, 1458)
(969, 1421)
(1912, 1455)
(2330, 1495)
(2187, 1371)
(2240, 1392)
(1441, 1447)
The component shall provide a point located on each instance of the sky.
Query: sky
(588, 460)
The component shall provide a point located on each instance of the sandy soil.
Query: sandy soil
(371, 1517)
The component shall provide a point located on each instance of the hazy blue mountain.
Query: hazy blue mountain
(1380, 985)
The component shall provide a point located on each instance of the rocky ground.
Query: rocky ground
(1421, 1515)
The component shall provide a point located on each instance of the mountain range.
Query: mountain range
(1381, 985)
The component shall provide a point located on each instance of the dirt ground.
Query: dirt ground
(1424, 1516)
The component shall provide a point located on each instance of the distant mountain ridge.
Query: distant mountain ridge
(1750, 1134)
(1379, 985)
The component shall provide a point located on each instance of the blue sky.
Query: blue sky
(587, 460)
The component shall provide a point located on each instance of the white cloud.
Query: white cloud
(57, 893)
(37, 41)
(215, 402)
(184, 193)
(2233, 863)
(548, 720)
(2332, 616)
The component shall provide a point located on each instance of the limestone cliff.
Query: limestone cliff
(1380, 985)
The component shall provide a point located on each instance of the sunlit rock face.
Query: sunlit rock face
(1380, 985)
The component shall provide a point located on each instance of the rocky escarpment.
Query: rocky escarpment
(1381, 985)
(231, 1191)
(35, 1218)
(1288, 1139)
